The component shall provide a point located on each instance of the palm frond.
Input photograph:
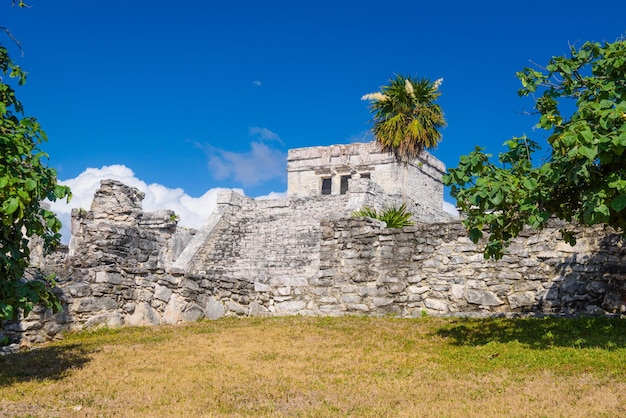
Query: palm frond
(408, 120)
(394, 217)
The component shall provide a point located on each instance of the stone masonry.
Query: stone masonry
(306, 255)
(330, 170)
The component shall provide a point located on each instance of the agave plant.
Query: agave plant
(406, 118)
(394, 217)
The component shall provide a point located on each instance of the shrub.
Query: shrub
(394, 217)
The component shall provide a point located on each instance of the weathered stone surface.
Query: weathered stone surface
(482, 297)
(214, 309)
(193, 313)
(108, 277)
(457, 291)
(436, 304)
(418, 289)
(93, 304)
(52, 329)
(144, 315)
(173, 311)
(162, 293)
(256, 309)
(262, 287)
(290, 307)
(236, 308)
(615, 301)
(79, 290)
(522, 299)
(368, 169)
(109, 319)
(382, 301)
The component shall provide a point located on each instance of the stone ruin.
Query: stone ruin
(306, 255)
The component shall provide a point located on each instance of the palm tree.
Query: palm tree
(406, 118)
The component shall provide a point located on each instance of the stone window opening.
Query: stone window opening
(343, 187)
(327, 186)
(365, 176)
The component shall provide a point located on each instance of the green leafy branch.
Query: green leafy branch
(25, 182)
(584, 179)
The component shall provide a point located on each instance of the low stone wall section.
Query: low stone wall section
(436, 269)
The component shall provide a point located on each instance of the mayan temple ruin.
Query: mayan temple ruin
(307, 255)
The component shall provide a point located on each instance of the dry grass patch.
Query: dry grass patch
(371, 367)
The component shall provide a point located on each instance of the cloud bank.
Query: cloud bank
(193, 211)
(249, 168)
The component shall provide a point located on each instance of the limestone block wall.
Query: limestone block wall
(435, 269)
(308, 256)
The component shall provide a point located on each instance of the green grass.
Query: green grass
(566, 346)
(347, 366)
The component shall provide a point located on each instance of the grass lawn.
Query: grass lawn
(327, 367)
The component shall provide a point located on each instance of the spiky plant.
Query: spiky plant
(406, 118)
(394, 217)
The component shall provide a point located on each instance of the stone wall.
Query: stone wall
(436, 269)
(308, 256)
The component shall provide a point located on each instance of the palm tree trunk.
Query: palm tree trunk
(405, 181)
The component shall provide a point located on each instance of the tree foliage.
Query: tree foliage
(406, 117)
(581, 103)
(25, 181)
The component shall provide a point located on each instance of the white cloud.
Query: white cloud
(256, 83)
(265, 134)
(262, 163)
(272, 195)
(193, 211)
(450, 208)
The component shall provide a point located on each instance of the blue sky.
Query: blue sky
(196, 95)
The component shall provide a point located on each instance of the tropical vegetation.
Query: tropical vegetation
(25, 182)
(406, 118)
(394, 216)
(581, 103)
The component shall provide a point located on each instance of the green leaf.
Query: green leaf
(568, 139)
(475, 234)
(530, 183)
(606, 104)
(60, 191)
(587, 136)
(602, 209)
(24, 181)
(30, 184)
(11, 206)
(590, 153)
(581, 102)
(497, 198)
(619, 203)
